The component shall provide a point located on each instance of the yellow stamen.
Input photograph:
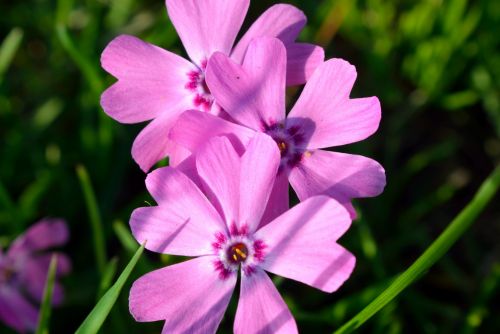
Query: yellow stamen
(235, 257)
(240, 253)
(282, 146)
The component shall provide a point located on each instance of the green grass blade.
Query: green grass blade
(436, 250)
(84, 64)
(45, 310)
(108, 276)
(123, 234)
(95, 218)
(9, 48)
(100, 312)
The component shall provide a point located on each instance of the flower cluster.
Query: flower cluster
(23, 273)
(233, 149)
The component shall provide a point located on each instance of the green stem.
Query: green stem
(436, 250)
(95, 218)
(43, 321)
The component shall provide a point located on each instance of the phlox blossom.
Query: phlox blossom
(253, 94)
(220, 225)
(155, 84)
(23, 273)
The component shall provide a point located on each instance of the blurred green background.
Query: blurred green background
(434, 64)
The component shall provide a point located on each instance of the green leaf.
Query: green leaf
(43, 321)
(108, 276)
(100, 312)
(123, 234)
(435, 251)
(95, 218)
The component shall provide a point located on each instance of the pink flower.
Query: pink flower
(253, 94)
(23, 272)
(154, 84)
(222, 229)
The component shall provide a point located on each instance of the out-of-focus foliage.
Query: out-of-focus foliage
(434, 64)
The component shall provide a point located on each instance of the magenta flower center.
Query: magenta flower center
(289, 141)
(7, 272)
(238, 249)
(197, 85)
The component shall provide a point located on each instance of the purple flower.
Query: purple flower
(222, 229)
(253, 94)
(23, 273)
(154, 84)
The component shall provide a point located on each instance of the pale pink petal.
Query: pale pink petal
(261, 308)
(252, 94)
(16, 311)
(219, 167)
(194, 128)
(177, 154)
(235, 90)
(167, 230)
(152, 143)
(334, 118)
(46, 233)
(189, 296)
(302, 61)
(339, 175)
(282, 21)
(301, 244)
(151, 81)
(278, 201)
(184, 223)
(207, 26)
(188, 168)
(265, 62)
(259, 165)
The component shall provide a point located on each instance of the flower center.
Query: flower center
(282, 146)
(197, 85)
(6, 273)
(237, 253)
(289, 141)
(237, 249)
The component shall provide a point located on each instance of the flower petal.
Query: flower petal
(177, 154)
(46, 233)
(259, 165)
(261, 308)
(194, 128)
(219, 167)
(152, 144)
(207, 26)
(282, 21)
(151, 80)
(184, 223)
(168, 231)
(335, 119)
(278, 200)
(189, 296)
(16, 311)
(301, 244)
(302, 61)
(252, 94)
(339, 175)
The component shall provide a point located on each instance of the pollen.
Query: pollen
(282, 146)
(237, 253)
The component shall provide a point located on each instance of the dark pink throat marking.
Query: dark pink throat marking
(202, 97)
(290, 141)
(238, 249)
